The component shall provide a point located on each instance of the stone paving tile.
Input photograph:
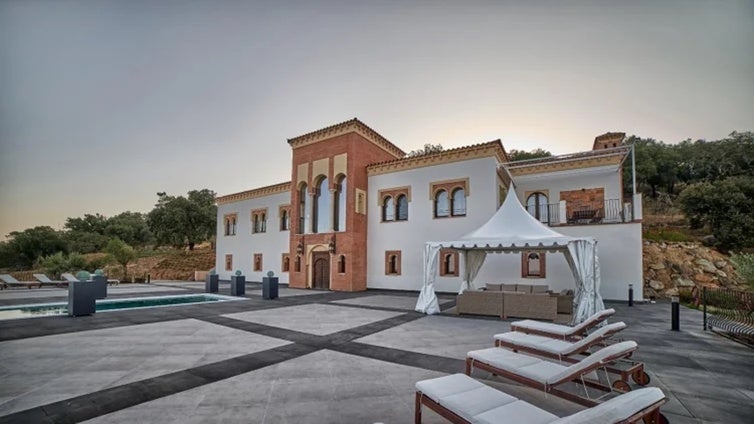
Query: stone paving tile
(46, 369)
(385, 301)
(314, 318)
(440, 335)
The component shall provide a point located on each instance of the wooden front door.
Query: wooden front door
(321, 270)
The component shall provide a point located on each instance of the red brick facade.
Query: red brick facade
(586, 198)
(351, 243)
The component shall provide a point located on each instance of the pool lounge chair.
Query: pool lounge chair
(10, 281)
(558, 331)
(42, 278)
(572, 352)
(72, 279)
(461, 399)
(549, 376)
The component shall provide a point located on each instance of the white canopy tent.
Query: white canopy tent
(513, 229)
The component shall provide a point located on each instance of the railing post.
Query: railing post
(704, 307)
(675, 313)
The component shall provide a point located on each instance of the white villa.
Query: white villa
(357, 213)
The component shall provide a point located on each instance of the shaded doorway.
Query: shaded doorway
(321, 270)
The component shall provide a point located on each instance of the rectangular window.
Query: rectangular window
(533, 264)
(286, 263)
(392, 262)
(448, 263)
(229, 262)
(257, 262)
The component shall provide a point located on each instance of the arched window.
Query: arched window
(533, 265)
(263, 224)
(303, 209)
(284, 220)
(402, 206)
(339, 214)
(227, 227)
(449, 264)
(536, 204)
(388, 209)
(441, 204)
(233, 226)
(321, 222)
(459, 202)
(342, 264)
(393, 264)
(298, 263)
(286, 262)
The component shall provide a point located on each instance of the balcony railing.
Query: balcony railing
(611, 211)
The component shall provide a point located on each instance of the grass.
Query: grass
(663, 234)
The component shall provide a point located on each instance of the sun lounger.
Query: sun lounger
(42, 278)
(10, 281)
(461, 399)
(572, 351)
(558, 331)
(549, 376)
(72, 279)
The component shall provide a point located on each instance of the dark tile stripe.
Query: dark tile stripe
(403, 357)
(103, 402)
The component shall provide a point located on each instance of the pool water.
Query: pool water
(52, 309)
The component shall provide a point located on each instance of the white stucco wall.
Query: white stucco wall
(409, 236)
(271, 244)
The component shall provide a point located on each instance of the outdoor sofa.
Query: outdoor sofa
(515, 300)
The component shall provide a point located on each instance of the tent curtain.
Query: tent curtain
(427, 302)
(582, 258)
(472, 263)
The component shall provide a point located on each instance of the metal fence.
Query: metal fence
(730, 312)
(549, 215)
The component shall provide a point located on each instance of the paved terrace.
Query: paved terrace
(309, 357)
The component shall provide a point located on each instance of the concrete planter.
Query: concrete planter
(237, 285)
(100, 286)
(81, 298)
(212, 283)
(270, 287)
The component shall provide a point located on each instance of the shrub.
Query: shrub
(666, 235)
(744, 263)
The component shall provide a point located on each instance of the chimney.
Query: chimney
(608, 140)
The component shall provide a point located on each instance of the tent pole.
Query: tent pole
(633, 167)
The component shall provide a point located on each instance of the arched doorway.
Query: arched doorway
(321, 270)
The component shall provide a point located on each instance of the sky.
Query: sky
(105, 103)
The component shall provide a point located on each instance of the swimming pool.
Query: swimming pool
(109, 305)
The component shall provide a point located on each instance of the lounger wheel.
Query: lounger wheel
(662, 420)
(621, 386)
(640, 377)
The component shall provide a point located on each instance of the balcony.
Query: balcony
(611, 211)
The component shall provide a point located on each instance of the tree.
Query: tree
(744, 263)
(428, 148)
(24, 247)
(121, 253)
(131, 227)
(515, 155)
(726, 206)
(184, 221)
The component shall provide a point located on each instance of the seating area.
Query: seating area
(534, 301)
(567, 369)
(7, 281)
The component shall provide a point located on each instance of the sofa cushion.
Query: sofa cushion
(493, 287)
(509, 287)
(523, 288)
(539, 288)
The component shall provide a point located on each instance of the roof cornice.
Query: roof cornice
(353, 125)
(252, 194)
(566, 164)
(476, 151)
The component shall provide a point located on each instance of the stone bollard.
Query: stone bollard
(270, 286)
(238, 284)
(100, 284)
(81, 296)
(211, 282)
(675, 314)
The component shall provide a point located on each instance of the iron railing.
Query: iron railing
(730, 312)
(549, 215)
(612, 211)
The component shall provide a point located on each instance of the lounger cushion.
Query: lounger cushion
(557, 346)
(438, 388)
(527, 366)
(515, 412)
(616, 409)
(563, 330)
(463, 395)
